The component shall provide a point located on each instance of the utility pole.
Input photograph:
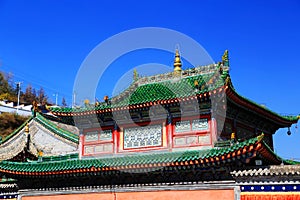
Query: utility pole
(19, 90)
(74, 99)
(56, 97)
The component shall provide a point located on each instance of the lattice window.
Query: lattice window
(199, 124)
(194, 125)
(182, 126)
(91, 136)
(147, 136)
(106, 135)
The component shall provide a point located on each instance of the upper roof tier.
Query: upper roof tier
(177, 86)
(190, 83)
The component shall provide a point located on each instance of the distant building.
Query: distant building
(11, 107)
(182, 135)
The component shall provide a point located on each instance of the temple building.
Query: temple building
(182, 134)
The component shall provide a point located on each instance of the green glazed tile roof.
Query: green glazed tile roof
(170, 90)
(73, 163)
(53, 128)
(59, 158)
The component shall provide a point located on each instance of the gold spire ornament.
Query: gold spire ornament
(177, 62)
(260, 137)
(86, 101)
(47, 107)
(35, 108)
(40, 154)
(225, 58)
(105, 98)
(27, 128)
(196, 83)
(135, 75)
(232, 137)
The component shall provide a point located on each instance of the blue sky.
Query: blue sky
(45, 42)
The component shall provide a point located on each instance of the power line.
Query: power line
(32, 80)
(35, 83)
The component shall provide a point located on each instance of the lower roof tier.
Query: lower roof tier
(254, 148)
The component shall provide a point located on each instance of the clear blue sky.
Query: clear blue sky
(45, 42)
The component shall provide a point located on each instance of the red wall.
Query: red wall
(225, 194)
(168, 137)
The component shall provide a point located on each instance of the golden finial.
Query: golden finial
(86, 101)
(27, 128)
(135, 75)
(232, 136)
(177, 62)
(225, 58)
(105, 98)
(260, 137)
(47, 106)
(227, 81)
(196, 83)
(40, 153)
(35, 107)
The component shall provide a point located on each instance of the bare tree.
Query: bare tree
(64, 102)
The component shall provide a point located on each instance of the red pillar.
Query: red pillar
(81, 147)
(213, 130)
(169, 131)
(115, 140)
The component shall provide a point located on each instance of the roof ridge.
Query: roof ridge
(56, 158)
(53, 127)
(193, 71)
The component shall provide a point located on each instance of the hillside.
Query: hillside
(9, 122)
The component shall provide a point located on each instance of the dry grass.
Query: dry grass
(9, 122)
